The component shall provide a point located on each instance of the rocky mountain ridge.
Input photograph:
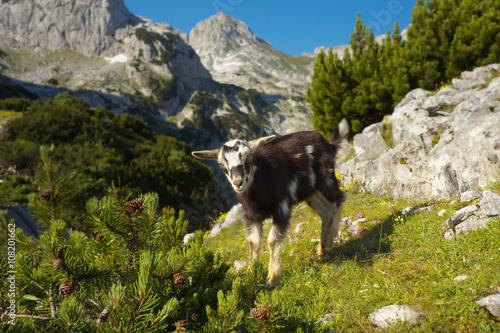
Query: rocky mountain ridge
(235, 55)
(102, 53)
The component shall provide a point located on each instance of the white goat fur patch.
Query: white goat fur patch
(292, 189)
(312, 176)
(285, 208)
(233, 157)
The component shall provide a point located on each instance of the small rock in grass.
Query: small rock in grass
(238, 264)
(460, 278)
(235, 214)
(406, 210)
(492, 304)
(298, 228)
(390, 314)
(442, 212)
(187, 238)
(470, 195)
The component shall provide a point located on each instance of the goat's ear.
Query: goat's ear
(254, 144)
(206, 154)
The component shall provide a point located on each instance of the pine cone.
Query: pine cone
(195, 317)
(55, 326)
(259, 313)
(46, 195)
(95, 236)
(58, 262)
(67, 287)
(133, 206)
(179, 280)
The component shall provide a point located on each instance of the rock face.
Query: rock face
(235, 214)
(444, 143)
(86, 26)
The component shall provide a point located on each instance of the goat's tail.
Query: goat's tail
(340, 133)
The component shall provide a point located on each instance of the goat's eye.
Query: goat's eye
(223, 167)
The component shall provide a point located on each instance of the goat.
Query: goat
(270, 175)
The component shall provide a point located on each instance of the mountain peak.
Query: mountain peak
(221, 31)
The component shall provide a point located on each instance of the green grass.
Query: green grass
(4, 114)
(398, 260)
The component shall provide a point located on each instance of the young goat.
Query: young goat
(270, 175)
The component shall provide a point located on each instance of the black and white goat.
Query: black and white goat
(270, 175)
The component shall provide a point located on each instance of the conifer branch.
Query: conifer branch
(33, 280)
(51, 300)
(96, 303)
(102, 316)
(132, 244)
(41, 318)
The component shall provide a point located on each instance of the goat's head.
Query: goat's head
(235, 159)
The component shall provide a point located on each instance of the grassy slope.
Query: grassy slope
(398, 260)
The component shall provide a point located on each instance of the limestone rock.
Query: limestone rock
(445, 144)
(235, 214)
(187, 238)
(370, 144)
(474, 216)
(235, 55)
(491, 303)
(388, 315)
(238, 264)
(470, 195)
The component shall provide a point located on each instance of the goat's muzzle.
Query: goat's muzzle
(238, 184)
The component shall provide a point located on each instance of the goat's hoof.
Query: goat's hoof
(270, 285)
(272, 282)
(321, 251)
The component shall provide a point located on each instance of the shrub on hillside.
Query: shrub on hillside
(105, 148)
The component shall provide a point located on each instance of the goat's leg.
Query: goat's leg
(274, 243)
(328, 211)
(254, 236)
(332, 229)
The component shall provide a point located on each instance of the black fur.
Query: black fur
(283, 160)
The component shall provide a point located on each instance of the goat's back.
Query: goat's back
(293, 166)
(291, 145)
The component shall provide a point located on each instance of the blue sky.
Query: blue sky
(291, 26)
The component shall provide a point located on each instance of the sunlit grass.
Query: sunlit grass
(398, 259)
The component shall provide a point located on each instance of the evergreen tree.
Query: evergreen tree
(127, 270)
(106, 148)
(54, 186)
(445, 38)
(476, 40)
(326, 91)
